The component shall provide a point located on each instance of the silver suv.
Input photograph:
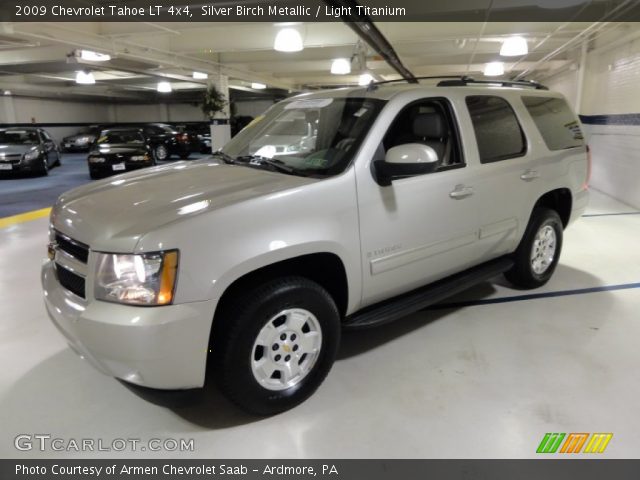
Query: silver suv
(337, 209)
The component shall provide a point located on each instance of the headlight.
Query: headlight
(140, 158)
(83, 140)
(32, 155)
(147, 279)
(96, 160)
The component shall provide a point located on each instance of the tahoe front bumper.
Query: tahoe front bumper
(159, 347)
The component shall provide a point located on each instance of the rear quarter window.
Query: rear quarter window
(556, 122)
(498, 132)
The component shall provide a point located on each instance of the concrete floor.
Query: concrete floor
(481, 381)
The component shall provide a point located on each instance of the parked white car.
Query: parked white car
(247, 265)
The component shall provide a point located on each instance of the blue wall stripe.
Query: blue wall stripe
(615, 119)
(534, 296)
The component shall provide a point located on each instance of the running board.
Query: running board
(411, 302)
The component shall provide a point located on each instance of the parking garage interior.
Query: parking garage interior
(490, 363)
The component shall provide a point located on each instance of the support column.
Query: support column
(220, 128)
(581, 76)
(8, 112)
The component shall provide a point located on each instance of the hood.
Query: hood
(113, 214)
(6, 150)
(90, 136)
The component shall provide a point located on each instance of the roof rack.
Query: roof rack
(463, 80)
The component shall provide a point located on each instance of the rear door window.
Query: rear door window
(497, 129)
(556, 122)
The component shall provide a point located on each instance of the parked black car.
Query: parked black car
(27, 150)
(81, 141)
(118, 150)
(200, 136)
(165, 141)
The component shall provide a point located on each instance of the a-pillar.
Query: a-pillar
(220, 127)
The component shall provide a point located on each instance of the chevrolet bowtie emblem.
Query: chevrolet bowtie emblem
(286, 348)
(51, 251)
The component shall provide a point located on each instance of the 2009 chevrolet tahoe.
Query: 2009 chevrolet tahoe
(337, 209)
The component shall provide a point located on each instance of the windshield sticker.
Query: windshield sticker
(102, 139)
(313, 103)
(360, 112)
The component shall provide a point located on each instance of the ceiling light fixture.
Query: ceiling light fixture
(94, 56)
(164, 87)
(85, 78)
(365, 79)
(341, 66)
(200, 76)
(258, 86)
(514, 47)
(288, 40)
(494, 69)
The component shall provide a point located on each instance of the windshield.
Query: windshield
(121, 137)
(316, 136)
(19, 137)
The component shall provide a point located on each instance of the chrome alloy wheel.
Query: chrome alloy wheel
(286, 349)
(543, 251)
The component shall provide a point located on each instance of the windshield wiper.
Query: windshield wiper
(225, 157)
(275, 163)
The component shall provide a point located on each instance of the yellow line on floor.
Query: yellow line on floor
(24, 217)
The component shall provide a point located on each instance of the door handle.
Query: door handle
(461, 191)
(530, 175)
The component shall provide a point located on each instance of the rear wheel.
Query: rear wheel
(275, 344)
(539, 251)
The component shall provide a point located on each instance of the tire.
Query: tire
(161, 153)
(94, 175)
(58, 162)
(43, 170)
(539, 251)
(263, 330)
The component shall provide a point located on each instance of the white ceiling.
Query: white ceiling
(33, 56)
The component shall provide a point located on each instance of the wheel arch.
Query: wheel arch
(324, 268)
(559, 200)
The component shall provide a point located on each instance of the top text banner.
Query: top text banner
(319, 10)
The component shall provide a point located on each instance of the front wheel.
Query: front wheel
(274, 345)
(539, 251)
(161, 153)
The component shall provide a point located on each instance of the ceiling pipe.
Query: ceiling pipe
(369, 33)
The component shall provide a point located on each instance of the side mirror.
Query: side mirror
(405, 161)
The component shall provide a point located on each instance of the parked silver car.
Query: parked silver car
(27, 150)
(247, 266)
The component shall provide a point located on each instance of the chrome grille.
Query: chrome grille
(76, 249)
(69, 280)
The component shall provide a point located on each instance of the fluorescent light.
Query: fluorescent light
(200, 76)
(258, 86)
(288, 40)
(514, 46)
(164, 87)
(365, 79)
(85, 78)
(341, 66)
(94, 56)
(494, 69)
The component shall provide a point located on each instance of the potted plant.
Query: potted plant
(213, 104)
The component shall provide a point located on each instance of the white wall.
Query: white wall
(252, 108)
(611, 88)
(43, 111)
